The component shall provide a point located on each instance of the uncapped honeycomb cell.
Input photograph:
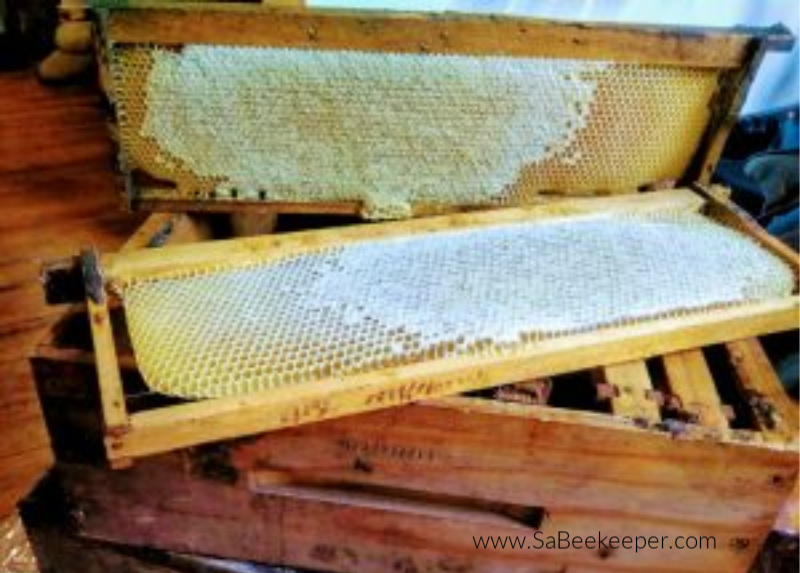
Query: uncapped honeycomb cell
(494, 291)
(393, 131)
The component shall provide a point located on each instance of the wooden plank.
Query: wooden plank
(149, 264)
(145, 200)
(162, 228)
(155, 225)
(633, 398)
(166, 504)
(396, 32)
(775, 413)
(223, 418)
(690, 379)
(484, 450)
(112, 396)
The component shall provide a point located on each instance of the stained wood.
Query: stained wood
(690, 379)
(422, 33)
(436, 466)
(334, 529)
(772, 409)
(56, 179)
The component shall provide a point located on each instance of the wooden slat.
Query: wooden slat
(690, 380)
(209, 420)
(633, 398)
(334, 529)
(423, 33)
(147, 263)
(774, 411)
(112, 395)
(154, 225)
(58, 192)
(172, 228)
(722, 209)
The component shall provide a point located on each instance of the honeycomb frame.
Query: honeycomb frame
(654, 116)
(343, 393)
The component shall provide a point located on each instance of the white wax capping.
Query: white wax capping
(367, 305)
(389, 129)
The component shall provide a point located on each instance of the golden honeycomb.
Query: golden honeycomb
(397, 131)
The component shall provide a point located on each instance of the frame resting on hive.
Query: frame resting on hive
(344, 391)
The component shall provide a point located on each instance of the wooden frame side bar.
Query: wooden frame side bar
(112, 395)
(448, 33)
(775, 413)
(690, 380)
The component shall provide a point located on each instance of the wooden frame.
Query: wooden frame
(450, 33)
(735, 53)
(152, 431)
(445, 466)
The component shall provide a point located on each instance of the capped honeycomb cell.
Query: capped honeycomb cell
(394, 132)
(490, 291)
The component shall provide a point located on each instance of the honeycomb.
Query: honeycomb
(398, 133)
(492, 291)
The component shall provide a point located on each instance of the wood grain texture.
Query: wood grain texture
(690, 380)
(774, 412)
(165, 502)
(422, 33)
(58, 192)
(633, 391)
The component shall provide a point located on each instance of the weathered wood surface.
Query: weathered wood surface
(164, 502)
(690, 380)
(775, 413)
(50, 527)
(423, 33)
(501, 462)
(58, 192)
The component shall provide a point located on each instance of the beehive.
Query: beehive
(355, 461)
(641, 448)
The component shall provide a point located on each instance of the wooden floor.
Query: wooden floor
(57, 193)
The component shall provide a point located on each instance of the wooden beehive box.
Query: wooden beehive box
(642, 446)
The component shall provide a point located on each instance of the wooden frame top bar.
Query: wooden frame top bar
(146, 263)
(442, 33)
